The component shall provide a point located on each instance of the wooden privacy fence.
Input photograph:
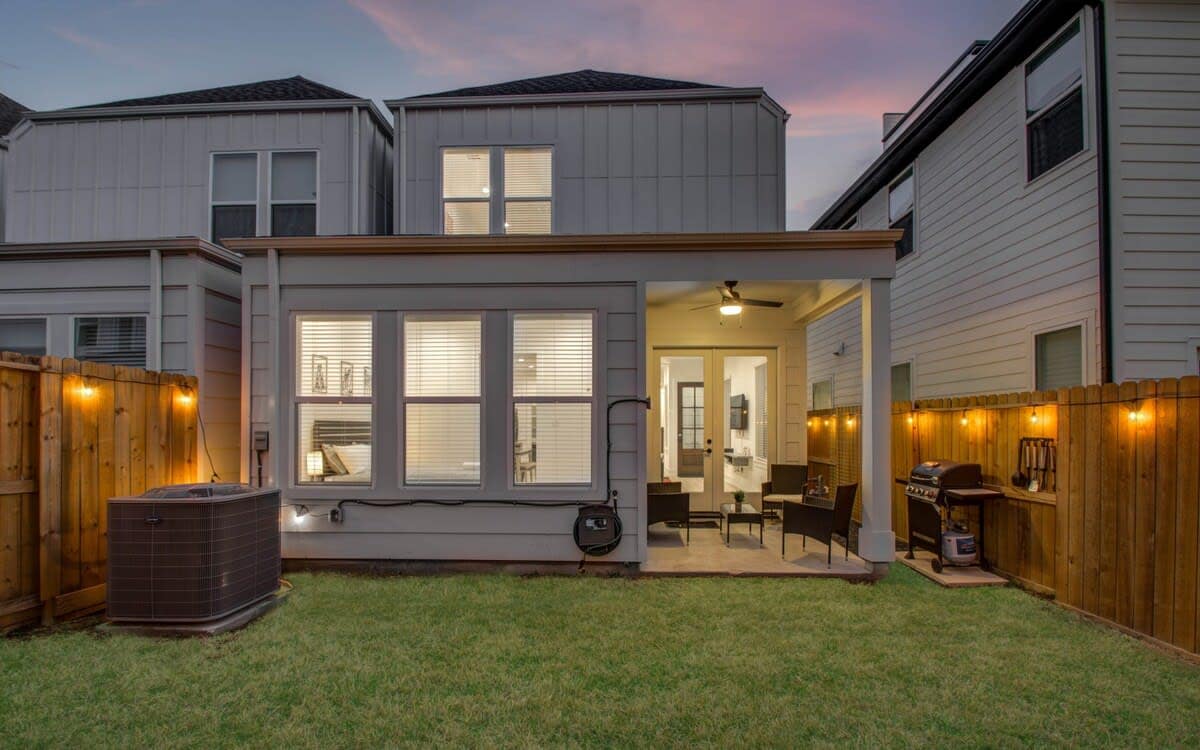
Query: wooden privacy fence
(1114, 530)
(73, 434)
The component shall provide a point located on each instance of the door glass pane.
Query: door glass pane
(745, 424)
(681, 423)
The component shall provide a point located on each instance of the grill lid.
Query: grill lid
(940, 472)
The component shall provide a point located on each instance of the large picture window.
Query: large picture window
(1054, 103)
(552, 398)
(442, 374)
(234, 195)
(334, 371)
(294, 194)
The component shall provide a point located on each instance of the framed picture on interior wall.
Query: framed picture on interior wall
(347, 378)
(366, 380)
(320, 373)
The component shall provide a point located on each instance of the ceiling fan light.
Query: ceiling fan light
(731, 308)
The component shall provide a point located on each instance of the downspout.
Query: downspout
(355, 205)
(1104, 198)
(154, 351)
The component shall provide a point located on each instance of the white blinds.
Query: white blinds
(554, 443)
(527, 173)
(466, 173)
(760, 411)
(235, 178)
(527, 217)
(552, 354)
(441, 355)
(114, 341)
(1060, 359)
(333, 355)
(441, 443)
(463, 217)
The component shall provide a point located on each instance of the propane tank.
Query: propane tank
(958, 546)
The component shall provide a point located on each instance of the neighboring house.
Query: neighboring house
(11, 113)
(1046, 189)
(114, 209)
(448, 394)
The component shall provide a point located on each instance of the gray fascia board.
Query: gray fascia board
(159, 110)
(703, 94)
(165, 245)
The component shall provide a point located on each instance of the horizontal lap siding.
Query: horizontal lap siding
(123, 178)
(1154, 121)
(670, 167)
(220, 383)
(996, 260)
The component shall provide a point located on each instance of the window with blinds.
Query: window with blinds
(23, 335)
(114, 341)
(294, 194)
(466, 190)
(527, 190)
(552, 398)
(334, 373)
(1058, 359)
(1054, 120)
(234, 195)
(442, 403)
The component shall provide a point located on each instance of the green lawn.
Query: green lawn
(592, 662)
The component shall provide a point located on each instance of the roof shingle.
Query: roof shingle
(296, 88)
(575, 82)
(11, 113)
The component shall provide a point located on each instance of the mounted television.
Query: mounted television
(739, 413)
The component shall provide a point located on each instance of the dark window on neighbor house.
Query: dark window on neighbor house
(293, 194)
(900, 211)
(234, 196)
(23, 335)
(902, 382)
(1054, 103)
(114, 341)
(1058, 358)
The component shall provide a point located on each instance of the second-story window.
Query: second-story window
(900, 211)
(293, 194)
(520, 201)
(234, 195)
(1054, 103)
(466, 190)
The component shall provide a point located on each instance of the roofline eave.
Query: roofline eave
(716, 92)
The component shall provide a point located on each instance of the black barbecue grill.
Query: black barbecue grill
(933, 489)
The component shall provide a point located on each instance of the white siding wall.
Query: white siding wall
(669, 167)
(1153, 53)
(997, 260)
(145, 177)
(3, 162)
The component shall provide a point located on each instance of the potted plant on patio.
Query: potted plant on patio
(739, 497)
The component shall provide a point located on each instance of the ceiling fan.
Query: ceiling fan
(732, 303)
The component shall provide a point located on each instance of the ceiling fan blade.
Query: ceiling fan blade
(704, 307)
(760, 303)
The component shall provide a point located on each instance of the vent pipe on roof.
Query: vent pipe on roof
(890, 121)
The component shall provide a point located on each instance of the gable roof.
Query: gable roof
(1033, 24)
(576, 82)
(11, 113)
(296, 88)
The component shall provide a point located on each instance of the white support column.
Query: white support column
(876, 541)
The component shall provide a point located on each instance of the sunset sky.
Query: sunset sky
(835, 65)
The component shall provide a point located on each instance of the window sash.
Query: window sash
(905, 189)
(1071, 37)
(119, 339)
(507, 212)
(1056, 368)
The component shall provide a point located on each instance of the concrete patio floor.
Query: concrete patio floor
(667, 554)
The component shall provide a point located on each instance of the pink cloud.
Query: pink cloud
(104, 50)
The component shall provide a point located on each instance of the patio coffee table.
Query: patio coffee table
(742, 513)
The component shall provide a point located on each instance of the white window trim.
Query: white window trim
(76, 316)
(403, 400)
(212, 203)
(913, 211)
(1086, 323)
(293, 465)
(1084, 18)
(497, 199)
(271, 202)
(594, 400)
(46, 328)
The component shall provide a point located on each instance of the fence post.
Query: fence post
(50, 485)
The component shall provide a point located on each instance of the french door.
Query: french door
(713, 422)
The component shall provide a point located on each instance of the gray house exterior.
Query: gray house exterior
(11, 112)
(1081, 274)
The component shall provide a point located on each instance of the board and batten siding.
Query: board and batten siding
(142, 177)
(618, 168)
(1153, 60)
(389, 286)
(997, 260)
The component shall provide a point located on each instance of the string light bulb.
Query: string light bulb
(1033, 417)
(849, 421)
(963, 421)
(87, 390)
